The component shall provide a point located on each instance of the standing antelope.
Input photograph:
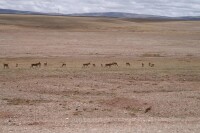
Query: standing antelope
(16, 65)
(142, 64)
(36, 65)
(108, 65)
(101, 65)
(5, 66)
(94, 65)
(45, 64)
(149, 64)
(86, 64)
(128, 64)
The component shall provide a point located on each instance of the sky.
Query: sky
(173, 8)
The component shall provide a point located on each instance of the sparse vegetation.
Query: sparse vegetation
(19, 101)
(151, 55)
(131, 69)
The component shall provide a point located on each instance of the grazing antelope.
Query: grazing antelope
(149, 64)
(114, 63)
(39, 64)
(5, 66)
(94, 65)
(128, 64)
(86, 64)
(142, 64)
(147, 109)
(152, 65)
(16, 65)
(45, 64)
(36, 65)
(63, 65)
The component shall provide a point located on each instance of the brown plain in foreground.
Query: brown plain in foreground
(52, 98)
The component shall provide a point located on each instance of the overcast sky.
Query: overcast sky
(154, 7)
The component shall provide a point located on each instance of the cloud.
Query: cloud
(154, 7)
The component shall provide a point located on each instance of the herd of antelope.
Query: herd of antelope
(109, 65)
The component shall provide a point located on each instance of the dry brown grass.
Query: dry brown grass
(20, 101)
(61, 95)
(151, 55)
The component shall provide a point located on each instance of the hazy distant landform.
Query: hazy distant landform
(104, 14)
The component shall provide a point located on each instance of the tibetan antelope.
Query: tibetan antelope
(16, 65)
(149, 64)
(36, 65)
(128, 64)
(142, 64)
(63, 65)
(45, 64)
(152, 65)
(86, 64)
(94, 65)
(5, 66)
(108, 65)
(101, 65)
(147, 109)
(114, 63)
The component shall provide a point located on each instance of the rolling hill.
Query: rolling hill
(104, 14)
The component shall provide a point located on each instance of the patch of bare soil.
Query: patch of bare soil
(6, 115)
(132, 105)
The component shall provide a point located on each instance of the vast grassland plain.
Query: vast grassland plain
(136, 98)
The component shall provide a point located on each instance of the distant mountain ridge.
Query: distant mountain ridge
(118, 15)
(134, 16)
(9, 11)
(103, 14)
